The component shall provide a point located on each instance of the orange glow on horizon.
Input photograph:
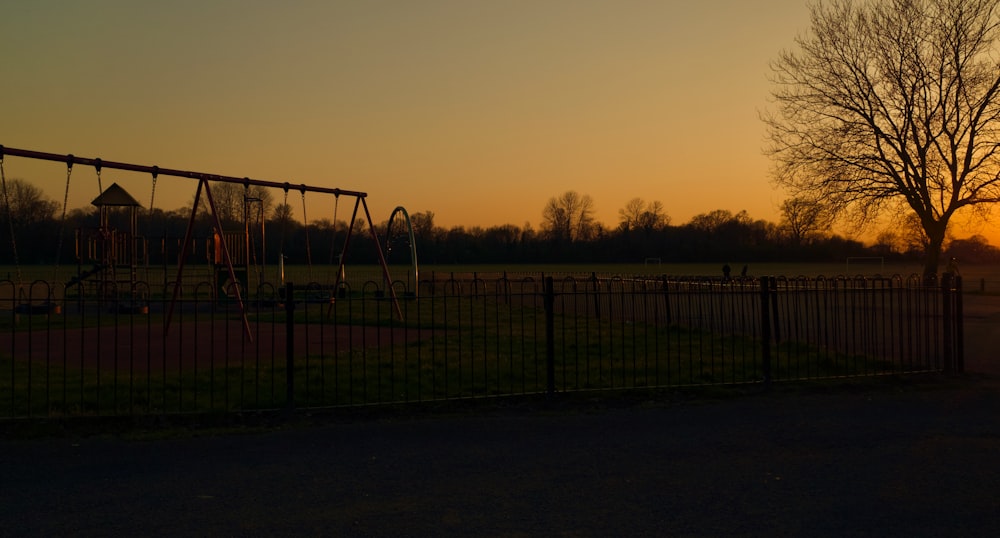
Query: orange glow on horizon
(476, 111)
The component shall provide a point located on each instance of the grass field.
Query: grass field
(981, 278)
(446, 348)
(324, 272)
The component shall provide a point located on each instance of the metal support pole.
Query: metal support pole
(947, 320)
(959, 327)
(550, 336)
(229, 263)
(72, 159)
(185, 248)
(765, 328)
(381, 259)
(289, 347)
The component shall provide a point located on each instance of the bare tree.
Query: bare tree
(887, 242)
(628, 216)
(975, 249)
(283, 214)
(423, 225)
(230, 198)
(569, 217)
(712, 221)
(892, 107)
(25, 205)
(638, 215)
(802, 218)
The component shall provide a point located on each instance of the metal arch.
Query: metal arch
(412, 240)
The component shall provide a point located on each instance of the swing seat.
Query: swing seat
(132, 307)
(37, 309)
(39, 299)
(319, 297)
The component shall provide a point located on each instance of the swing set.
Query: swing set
(222, 247)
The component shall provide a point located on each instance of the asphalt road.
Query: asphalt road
(907, 457)
(903, 459)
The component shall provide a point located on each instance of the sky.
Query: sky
(478, 111)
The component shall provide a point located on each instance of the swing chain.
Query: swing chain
(284, 229)
(62, 221)
(333, 238)
(97, 166)
(152, 195)
(305, 226)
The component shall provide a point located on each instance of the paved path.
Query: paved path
(982, 333)
(899, 460)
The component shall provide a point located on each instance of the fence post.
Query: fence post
(959, 326)
(765, 328)
(597, 294)
(947, 319)
(289, 347)
(666, 298)
(550, 336)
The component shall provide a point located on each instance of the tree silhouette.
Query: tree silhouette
(892, 107)
(712, 221)
(638, 215)
(569, 217)
(229, 201)
(801, 218)
(975, 249)
(25, 205)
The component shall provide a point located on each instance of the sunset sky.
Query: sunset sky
(479, 111)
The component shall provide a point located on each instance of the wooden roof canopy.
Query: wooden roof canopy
(115, 196)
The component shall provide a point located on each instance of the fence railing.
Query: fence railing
(72, 352)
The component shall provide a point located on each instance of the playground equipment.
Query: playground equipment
(114, 249)
(411, 242)
(38, 297)
(223, 248)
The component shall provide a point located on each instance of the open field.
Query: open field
(971, 273)
(465, 340)
(977, 278)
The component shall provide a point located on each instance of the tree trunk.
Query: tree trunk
(935, 241)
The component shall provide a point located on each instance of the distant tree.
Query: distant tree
(27, 214)
(638, 215)
(230, 198)
(25, 205)
(84, 216)
(892, 106)
(506, 235)
(628, 216)
(423, 227)
(569, 217)
(975, 249)
(801, 218)
(323, 225)
(711, 221)
(360, 226)
(283, 214)
(887, 243)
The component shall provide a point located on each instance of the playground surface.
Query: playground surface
(907, 457)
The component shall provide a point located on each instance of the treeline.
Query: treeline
(42, 235)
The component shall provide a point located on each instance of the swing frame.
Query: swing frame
(22, 298)
(204, 181)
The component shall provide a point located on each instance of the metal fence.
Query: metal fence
(71, 352)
